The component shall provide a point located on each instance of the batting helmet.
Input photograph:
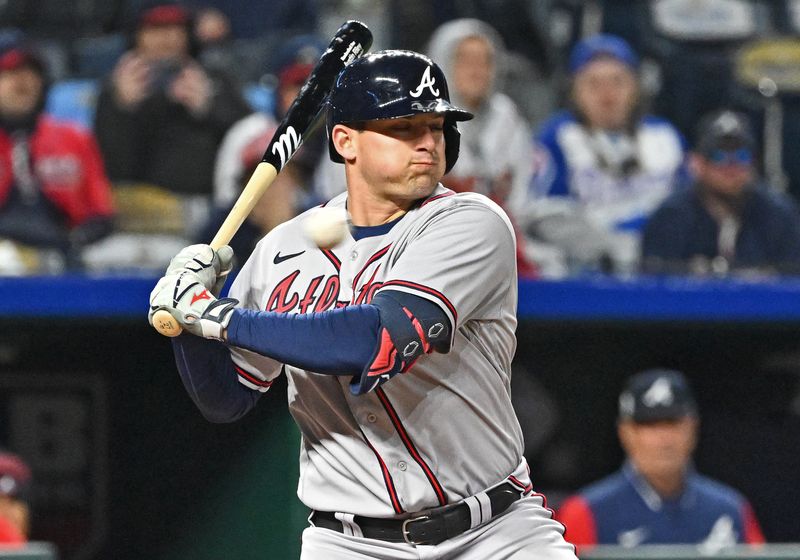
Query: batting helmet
(393, 84)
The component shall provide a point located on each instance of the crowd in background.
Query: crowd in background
(128, 128)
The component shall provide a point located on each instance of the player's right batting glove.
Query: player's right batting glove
(212, 267)
(190, 303)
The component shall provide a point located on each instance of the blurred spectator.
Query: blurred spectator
(55, 197)
(293, 65)
(212, 31)
(657, 497)
(161, 115)
(526, 71)
(244, 144)
(494, 157)
(726, 219)
(15, 486)
(601, 166)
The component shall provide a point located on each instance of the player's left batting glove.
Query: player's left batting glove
(212, 267)
(193, 306)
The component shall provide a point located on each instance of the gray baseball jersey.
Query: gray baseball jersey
(444, 430)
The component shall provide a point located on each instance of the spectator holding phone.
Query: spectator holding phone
(161, 115)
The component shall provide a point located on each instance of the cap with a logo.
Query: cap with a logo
(15, 476)
(602, 44)
(725, 131)
(657, 394)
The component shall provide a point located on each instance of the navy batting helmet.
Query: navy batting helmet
(389, 85)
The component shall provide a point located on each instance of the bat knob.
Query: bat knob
(166, 324)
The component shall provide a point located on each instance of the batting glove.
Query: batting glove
(185, 297)
(212, 267)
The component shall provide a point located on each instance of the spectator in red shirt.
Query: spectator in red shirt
(54, 193)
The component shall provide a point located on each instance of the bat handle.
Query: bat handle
(166, 324)
(261, 179)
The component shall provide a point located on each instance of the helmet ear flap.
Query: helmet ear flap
(332, 153)
(452, 144)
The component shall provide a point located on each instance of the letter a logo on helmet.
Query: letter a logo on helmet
(427, 81)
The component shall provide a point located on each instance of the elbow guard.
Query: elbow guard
(410, 326)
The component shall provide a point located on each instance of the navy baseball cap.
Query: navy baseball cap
(15, 476)
(602, 44)
(724, 130)
(657, 394)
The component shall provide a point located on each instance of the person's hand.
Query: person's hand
(131, 79)
(192, 88)
(185, 297)
(211, 267)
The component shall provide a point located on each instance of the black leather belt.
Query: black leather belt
(427, 527)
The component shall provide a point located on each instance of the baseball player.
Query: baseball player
(397, 342)
(657, 497)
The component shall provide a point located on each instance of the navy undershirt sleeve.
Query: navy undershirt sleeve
(337, 342)
(208, 374)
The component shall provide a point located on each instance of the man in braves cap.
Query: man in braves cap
(15, 487)
(657, 497)
(728, 219)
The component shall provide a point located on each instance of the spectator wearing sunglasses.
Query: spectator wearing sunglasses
(727, 220)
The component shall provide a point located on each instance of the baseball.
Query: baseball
(326, 227)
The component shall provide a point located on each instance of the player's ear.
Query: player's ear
(343, 139)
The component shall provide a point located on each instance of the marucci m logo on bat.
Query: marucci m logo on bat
(286, 144)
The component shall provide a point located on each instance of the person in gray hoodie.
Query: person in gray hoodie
(496, 146)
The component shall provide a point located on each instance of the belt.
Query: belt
(431, 526)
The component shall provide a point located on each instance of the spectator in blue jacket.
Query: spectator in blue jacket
(727, 219)
(657, 497)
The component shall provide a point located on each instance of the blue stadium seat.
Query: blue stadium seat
(73, 100)
(260, 97)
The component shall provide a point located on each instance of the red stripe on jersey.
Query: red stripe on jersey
(252, 379)
(371, 260)
(398, 425)
(437, 197)
(387, 479)
(427, 290)
(333, 258)
(525, 488)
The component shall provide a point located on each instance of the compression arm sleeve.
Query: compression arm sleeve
(338, 341)
(209, 376)
(341, 341)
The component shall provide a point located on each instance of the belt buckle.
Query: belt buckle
(406, 532)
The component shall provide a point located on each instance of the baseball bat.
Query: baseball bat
(351, 41)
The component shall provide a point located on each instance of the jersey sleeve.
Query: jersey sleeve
(463, 259)
(752, 529)
(578, 519)
(254, 370)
